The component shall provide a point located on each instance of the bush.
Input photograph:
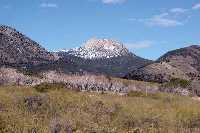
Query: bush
(58, 126)
(136, 94)
(35, 103)
(3, 125)
(29, 72)
(156, 96)
(176, 82)
(45, 87)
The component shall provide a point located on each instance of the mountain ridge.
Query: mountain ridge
(183, 63)
(98, 56)
(19, 50)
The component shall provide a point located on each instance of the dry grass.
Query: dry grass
(26, 110)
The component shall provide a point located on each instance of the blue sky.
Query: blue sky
(148, 28)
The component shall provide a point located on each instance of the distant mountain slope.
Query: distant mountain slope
(185, 59)
(182, 63)
(103, 56)
(18, 50)
(157, 72)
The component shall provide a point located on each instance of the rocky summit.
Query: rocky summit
(18, 50)
(100, 48)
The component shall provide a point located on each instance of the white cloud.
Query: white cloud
(48, 5)
(196, 6)
(178, 10)
(163, 20)
(140, 44)
(113, 1)
(174, 17)
(171, 18)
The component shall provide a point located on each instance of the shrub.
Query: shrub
(45, 87)
(35, 103)
(176, 82)
(193, 123)
(136, 94)
(147, 95)
(2, 125)
(164, 97)
(29, 72)
(58, 126)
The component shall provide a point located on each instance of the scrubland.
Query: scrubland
(53, 108)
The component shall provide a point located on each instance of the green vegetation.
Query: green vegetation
(29, 72)
(45, 87)
(157, 96)
(176, 82)
(28, 110)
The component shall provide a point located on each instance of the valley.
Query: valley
(99, 87)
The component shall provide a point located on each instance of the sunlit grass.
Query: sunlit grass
(25, 109)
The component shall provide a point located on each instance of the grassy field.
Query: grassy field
(58, 110)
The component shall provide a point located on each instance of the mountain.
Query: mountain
(185, 59)
(18, 50)
(100, 48)
(181, 63)
(102, 56)
(97, 56)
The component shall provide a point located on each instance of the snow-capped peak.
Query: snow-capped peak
(100, 48)
(64, 50)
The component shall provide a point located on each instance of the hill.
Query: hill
(18, 50)
(181, 63)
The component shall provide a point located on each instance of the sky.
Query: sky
(147, 28)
